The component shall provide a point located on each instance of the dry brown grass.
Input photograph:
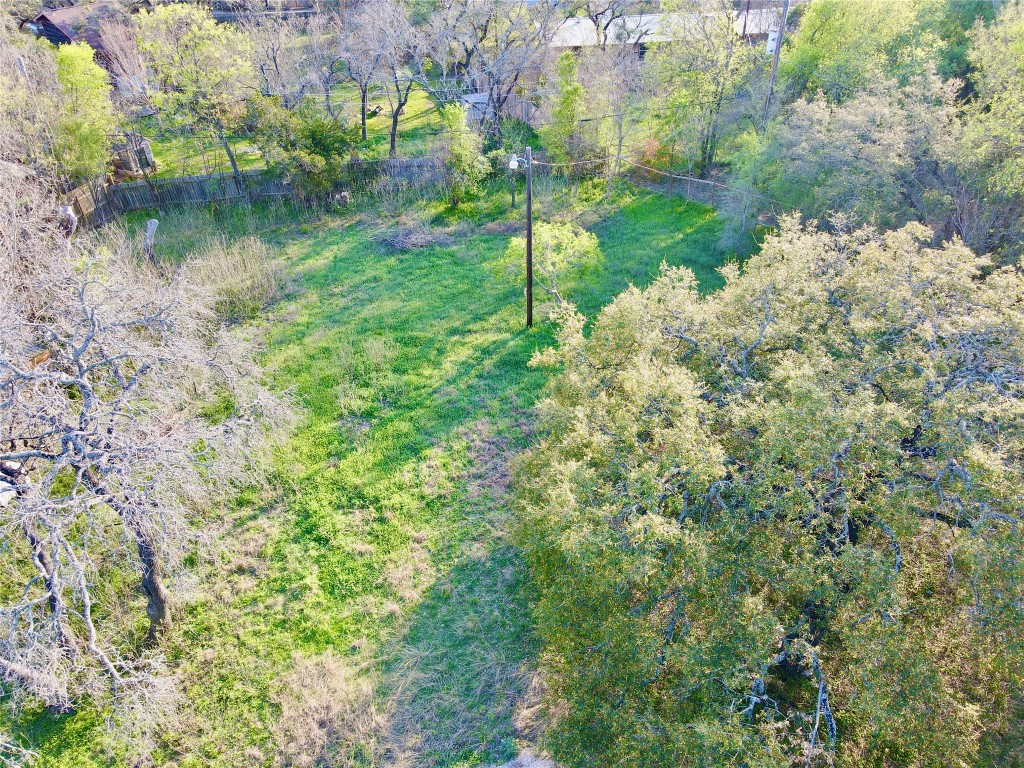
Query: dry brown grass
(328, 715)
(488, 478)
(244, 275)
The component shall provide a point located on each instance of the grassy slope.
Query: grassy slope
(385, 548)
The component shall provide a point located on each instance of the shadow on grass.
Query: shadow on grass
(388, 542)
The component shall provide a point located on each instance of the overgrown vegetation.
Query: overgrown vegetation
(776, 525)
(770, 513)
(372, 604)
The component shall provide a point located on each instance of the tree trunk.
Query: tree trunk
(239, 179)
(364, 97)
(158, 600)
(394, 133)
(327, 99)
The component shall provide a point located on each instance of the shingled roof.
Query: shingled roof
(76, 23)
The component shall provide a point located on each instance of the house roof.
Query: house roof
(757, 22)
(579, 32)
(76, 23)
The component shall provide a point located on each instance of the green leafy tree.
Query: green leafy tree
(464, 163)
(700, 74)
(303, 145)
(561, 250)
(844, 46)
(563, 136)
(87, 121)
(993, 143)
(203, 68)
(60, 118)
(780, 524)
(884, 156)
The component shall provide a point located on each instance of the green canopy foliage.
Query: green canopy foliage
(562, 136)
(87, 119)
(304, 145)
(995, 126)
(701, 74)
(844, 46)
(780, 524)
(203, 68)
(561, 250)
(464, 163)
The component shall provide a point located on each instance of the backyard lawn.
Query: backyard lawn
(185, 154)
(372, 584)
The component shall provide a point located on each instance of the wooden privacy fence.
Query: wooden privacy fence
(91, 203)
(97, 202)
(193, 190)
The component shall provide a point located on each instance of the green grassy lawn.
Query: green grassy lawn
(188, 155)
(373, 580)
(183, 154)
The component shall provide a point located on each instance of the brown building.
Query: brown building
(75, 24)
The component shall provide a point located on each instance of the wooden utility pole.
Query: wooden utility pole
(775, 64)
(529, 237)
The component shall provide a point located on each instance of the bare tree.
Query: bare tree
(701, 72)
(451, 45)
(361, 53)
(326, 55)
(282, 57)
(514, 45)
(113, 431)
(394, 41)
(30, 107)
(605, 15)
(120, 44)
(616, 79)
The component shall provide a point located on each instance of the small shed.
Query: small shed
(134, 154)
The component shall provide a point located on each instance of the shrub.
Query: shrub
(560, 250)
(563, 136)
(465, 166)
(303, 145)
(87, 119)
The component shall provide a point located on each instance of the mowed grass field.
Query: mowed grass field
(365, 608)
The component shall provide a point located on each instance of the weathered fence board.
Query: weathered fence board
(98, 202)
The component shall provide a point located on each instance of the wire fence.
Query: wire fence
(98, 202)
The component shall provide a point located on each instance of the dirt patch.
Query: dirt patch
(531, 715)
(502, 228)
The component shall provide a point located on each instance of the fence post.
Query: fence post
(150, 241)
